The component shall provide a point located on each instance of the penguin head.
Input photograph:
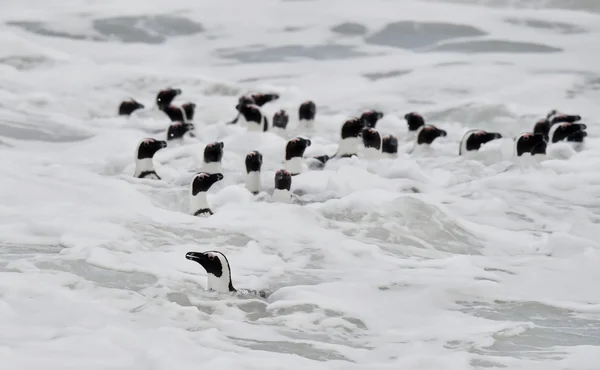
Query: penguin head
(530, 143)
(371, 117)
(165, 97)
(262, 99)
(389, 144)
(283, 180)
(254, 161)
(251, 113)
(352, 128)
(190, 109)
(414, 120)
(429, 133)
(565, 130)
(296, 147)
(244, 100)
(542, 127)
(371, 138)
(213, 152)
(178, 129)
(203, 181)
(217, 268)
(281, 119)
(148, 147)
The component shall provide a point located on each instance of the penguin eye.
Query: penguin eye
(526, 137)
(211, 257)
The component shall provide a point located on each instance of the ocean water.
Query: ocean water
(427, 261)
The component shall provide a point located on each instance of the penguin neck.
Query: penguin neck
(307, 123)
(220, 284)
(348, 146)
(551, 132)
(282, 195)
(462, 149)
(143, 165)
(253, 182)
(212, 167)
(255, 127)
(198, 202)
(294, 165)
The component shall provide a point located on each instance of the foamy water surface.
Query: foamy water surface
(428, 261)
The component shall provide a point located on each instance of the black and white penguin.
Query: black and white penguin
(349, 144)
(253, 162)
(201, 183)
(414, 121)
(472, 140)
(531, 143)
(252, 99)
(554, 116)
(542, 127)
(184, 113)
(165, 97)
(372, 143)
(281, 119)
(426, 134)
(129, 106)
(283, 184)
(177, 130)
(389, 145)
(370, 118)
(567, 131)
(294, 153)
(213, 154)
(145, 150)
(218, 272)
(254, 117)
(306, 113)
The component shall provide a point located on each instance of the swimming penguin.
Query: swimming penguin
(185, 113)
(306, 113)
(254, 117)
(283, 184)
(370, 118)
(200, 184)
(414, 121)
(129, 106)
(294, 152)
(428, 133)
(145, 150)
(554, 116)
(253, 162)
(165, 97)
(349, 143)
(528, 142)
(472, 140)
(372, 143)
(389, 146)
(281, 119)
(256, 99)
(213, 154)
(218, 272)
(177, 130)
(542, 127)
(567, 131)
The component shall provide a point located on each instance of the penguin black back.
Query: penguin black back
(307, 110)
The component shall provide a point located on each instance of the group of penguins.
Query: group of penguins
(359, 137)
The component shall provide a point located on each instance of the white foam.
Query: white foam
(212, 167)
(348, 146)
(295, 165)
(281, 196)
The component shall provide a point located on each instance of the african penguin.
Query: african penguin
(371, 117)
(472, 140)
(145, 150)
(554, 116)
(372, 143)
(528, 142)
(294, 152)
(414, 121)
(253, 162)
(281, 119)
(249, 99)
(256, 120)
(177, 130)
(213, 154)
(542, 127)
(306, 113)
(129, 106)
(185, 113)
(349, 143)
(427, 134)
(389, 145)
(165, 97)
(218, 272)
(283, 184)
(567, 131)
(200, 184)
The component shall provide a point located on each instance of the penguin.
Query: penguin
(542, 127)
(371, 142)
(531, 143)
(349, 143)
(283, 184)
(129, 106)
(145, 150)
(200, 184)
(218, 272)
(294, 152)
(165, 97)
(370, 118)
(389, 145)
(255, 118)
(307, 112)
(414, 121)
(253, 162)
(554, 116)
(281, 119)
(256, 99)
(472, 140)
(567, 131)
(213, 154)
(428, 133)
(177, 130)
(185, 113)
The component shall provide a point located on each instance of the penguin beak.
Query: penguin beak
(216, 177)
(177, 91)
(443, 133)
(163, 144)
(195, 256)
(497, 136)
(582, 126)
(308, 142)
